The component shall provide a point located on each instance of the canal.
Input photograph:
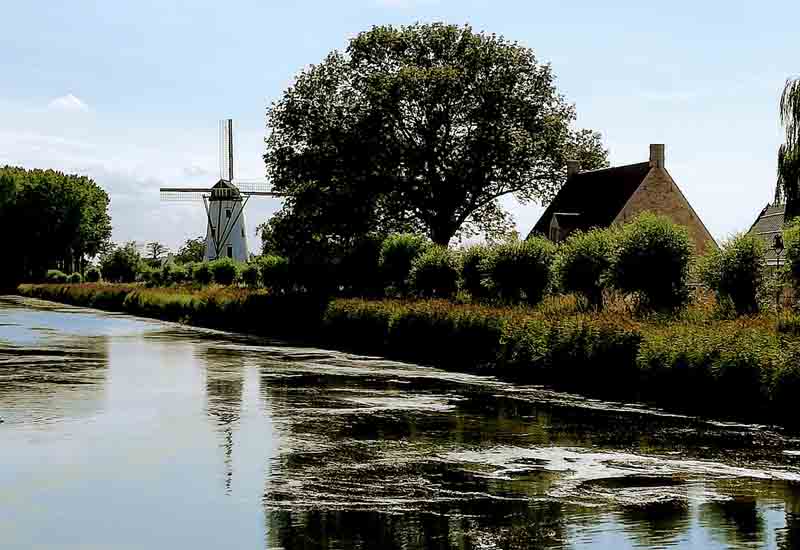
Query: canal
(121, 432)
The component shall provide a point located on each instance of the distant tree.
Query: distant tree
(193, 250)
(418, 128)
(121, 264)
(789, 152)
(155, 251)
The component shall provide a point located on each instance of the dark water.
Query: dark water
(125, 433)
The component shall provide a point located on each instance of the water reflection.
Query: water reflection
(224, 388)
(162, 436)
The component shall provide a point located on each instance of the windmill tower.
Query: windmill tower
(224, 203)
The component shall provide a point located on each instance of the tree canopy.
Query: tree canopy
(193, 250)
(789, 152)
(50, 220)
(419, 128)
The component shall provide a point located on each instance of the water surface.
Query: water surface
(119, 432)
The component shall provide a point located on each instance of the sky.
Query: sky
(130, 93)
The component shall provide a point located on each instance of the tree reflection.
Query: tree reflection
(657, 523)
(352, 473)
(738, 520)
(789, 536)
(64, 379)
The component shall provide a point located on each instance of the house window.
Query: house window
(228, 213)
(230, 251)
(554, 233)
(213, 233)
(243, 232)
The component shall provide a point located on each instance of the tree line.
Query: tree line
(50, 219)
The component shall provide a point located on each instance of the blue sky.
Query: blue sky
(131, 92)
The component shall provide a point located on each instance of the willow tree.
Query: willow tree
(789, 152)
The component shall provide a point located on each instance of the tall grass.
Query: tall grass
(692, 361)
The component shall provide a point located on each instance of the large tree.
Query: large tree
(422, 127)
(789, 152)
(50, 219)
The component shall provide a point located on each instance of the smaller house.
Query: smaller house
(768, 225)
(601, 198)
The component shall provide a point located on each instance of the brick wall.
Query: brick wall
(658, 193)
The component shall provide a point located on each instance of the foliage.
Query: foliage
(434, 273)
(471, 276)
(736, 272)
(789, 152)
(93, 275)
(398, 253)
(224, 271)
(359, 271)
(520, 270)
(121, 264)
(55, 276)
(57, 219)
(583, 262)
(791, 242)
(251, 275)
(418, 128)
(175, 273)
(193, 250)
(156, 250)
(202, 273)
(275, 273)
(75, 279)
(652, 262)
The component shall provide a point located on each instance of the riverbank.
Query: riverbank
(744, 369)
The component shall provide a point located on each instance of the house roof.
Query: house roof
(768, 224)
(596, 196)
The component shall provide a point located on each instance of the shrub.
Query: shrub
(791, 242)
(434, 273)
(359, 271)
(583, 262)
(121, 264)
(251, 275)
(75, 279)
(518, 270)
(56, 276)
(202, 273)
(471, 276)
(652, 261)
(275, 273)
(224, 270)
(736, 272)
(177, 274)
(93, 275)
(398, 252)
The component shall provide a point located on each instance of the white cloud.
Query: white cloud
(69, 103)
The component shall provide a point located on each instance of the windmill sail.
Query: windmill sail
(223, 203)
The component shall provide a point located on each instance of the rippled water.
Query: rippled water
(119, 432)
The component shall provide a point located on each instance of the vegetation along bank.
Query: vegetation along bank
(622, 313)
(746, 368)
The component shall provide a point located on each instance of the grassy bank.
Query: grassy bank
(747, 369)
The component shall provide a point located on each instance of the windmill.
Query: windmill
(224, 203)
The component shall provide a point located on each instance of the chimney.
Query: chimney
(573, 167)
(657, 155)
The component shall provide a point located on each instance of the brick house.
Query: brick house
(600, 198)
